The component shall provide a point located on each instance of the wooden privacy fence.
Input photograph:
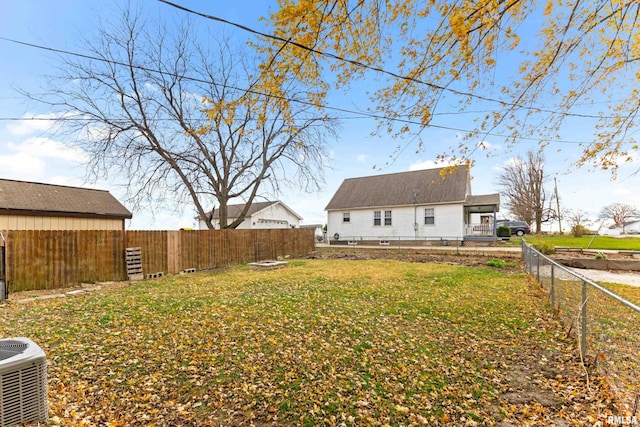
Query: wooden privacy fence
(45, 259)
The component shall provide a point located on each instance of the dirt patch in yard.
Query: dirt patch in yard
(471, 259)
(26, 296)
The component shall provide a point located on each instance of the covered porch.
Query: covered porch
(480, 217)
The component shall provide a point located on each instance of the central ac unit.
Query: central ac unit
(23, 382)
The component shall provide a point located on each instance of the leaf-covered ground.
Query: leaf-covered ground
(321, 342)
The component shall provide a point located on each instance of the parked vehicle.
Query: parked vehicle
(519, 228)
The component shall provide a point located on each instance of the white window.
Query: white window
(377, 218)
(429, 216)
(387, 217)
(346, 217)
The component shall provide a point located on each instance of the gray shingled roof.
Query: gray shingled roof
(21, 197)
(233, 211)
(484, 199)
(397, 189)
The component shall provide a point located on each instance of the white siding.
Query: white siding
(274, 216)
(449, 223)
(246, 224)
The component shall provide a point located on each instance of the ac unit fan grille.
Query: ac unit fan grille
(24, 395)
(10, 348)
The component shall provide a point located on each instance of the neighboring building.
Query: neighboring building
(35, 206)
(260, 215)
(631, 227)
(318, 231)
(430, 204)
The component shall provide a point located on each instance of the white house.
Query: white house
(610, 229)
(260, 215)
(431, 204)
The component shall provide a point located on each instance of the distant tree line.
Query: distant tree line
(523, 187)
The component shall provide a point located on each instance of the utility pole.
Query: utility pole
(555, 181)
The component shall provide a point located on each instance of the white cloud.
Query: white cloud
(21, 166)
(68, 181)
(30, 159)
(34, 123)
(95, 132)
(151, 87)
(488, 146)
(428, 164)
(485, 145)
(39, 147)
(362, 158)
(510, 162)
(622, 193)
(28, 127)
(630, 159)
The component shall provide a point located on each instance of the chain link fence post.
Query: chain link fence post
(552, 290)
(583, 314)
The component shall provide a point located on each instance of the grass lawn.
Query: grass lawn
(629, 293)
(320, 342)
(597, 242)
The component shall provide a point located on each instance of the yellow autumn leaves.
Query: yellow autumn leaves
(317, 343)
(470, 53)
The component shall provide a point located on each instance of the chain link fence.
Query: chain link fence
(606, 326)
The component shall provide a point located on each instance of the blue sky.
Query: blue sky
(28, 152)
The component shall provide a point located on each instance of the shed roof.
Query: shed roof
(32, 198)
(430, 186)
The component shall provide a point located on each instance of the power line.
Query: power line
(443, 127)
(378, 69)
(199, 80)
(151, 70)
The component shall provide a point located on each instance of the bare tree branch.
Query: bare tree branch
(620, 213)
(522, 184)
(165, 113)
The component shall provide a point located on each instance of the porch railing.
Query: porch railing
(479, 230)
